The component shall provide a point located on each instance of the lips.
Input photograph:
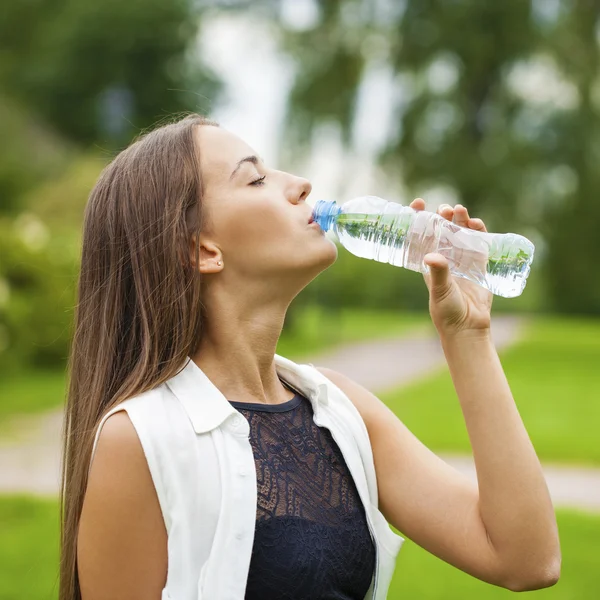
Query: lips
(310, 219)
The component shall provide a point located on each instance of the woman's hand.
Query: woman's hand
(456, 305)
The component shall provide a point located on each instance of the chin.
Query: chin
(321, 259)
(332, 253)
(311, 266)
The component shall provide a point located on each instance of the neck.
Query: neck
(237, 350)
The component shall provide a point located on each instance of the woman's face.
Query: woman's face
(256, 216)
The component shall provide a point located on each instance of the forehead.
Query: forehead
(220, 151)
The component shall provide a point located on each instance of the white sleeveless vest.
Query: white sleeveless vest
(202, 465)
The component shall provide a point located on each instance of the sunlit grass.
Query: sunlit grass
(30, 391)
(422, 576)
(29, 553)
(554, 374)
(29, 548)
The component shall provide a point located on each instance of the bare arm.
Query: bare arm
(122, 542)
(502, 530)
(514, 501)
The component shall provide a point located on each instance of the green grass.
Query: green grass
(29, 560)
(27, 392)
(33, 391)
(554, 374)
(421, 576)
(29, 548)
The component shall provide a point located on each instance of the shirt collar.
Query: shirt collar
(208, 408)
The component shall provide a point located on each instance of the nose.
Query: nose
(305, 188)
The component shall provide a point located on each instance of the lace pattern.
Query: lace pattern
(312, 541)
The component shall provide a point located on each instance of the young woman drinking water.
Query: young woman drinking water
(198, 464)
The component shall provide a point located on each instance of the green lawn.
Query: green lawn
(421, 576)
(29, 548)
(554, 374)
(30, 391)
(29, 560)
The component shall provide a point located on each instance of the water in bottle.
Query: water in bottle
(371, 227)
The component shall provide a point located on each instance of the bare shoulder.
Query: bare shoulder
(122, 540)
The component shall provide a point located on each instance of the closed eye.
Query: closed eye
(258, 181)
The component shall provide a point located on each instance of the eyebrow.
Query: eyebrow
(251, 159)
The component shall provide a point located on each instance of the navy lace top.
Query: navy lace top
(312, 541)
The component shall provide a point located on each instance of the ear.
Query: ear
(210, 260)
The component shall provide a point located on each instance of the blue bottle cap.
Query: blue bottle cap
(325, 212)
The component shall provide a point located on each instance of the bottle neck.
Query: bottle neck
(325, 213)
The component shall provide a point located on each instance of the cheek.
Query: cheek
(257, 231)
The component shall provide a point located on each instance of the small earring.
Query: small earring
(219, 263)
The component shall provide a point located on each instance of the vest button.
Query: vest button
(242, 472)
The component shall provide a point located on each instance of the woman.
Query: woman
(198, 464)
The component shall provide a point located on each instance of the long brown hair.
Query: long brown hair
(138, 312)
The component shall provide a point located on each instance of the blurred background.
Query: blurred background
(493, 105)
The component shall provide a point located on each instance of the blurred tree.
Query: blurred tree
(572, 225)
(330, 69)
(60, 202)
(471, 114)
(30, 152)
(39, 259)
(37, 287)
(458, 133)
(101, 71)
(452, 112)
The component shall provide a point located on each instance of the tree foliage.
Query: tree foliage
(101, 71)
(483, 103)
(571, 227)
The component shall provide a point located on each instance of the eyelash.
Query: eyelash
(258, 181)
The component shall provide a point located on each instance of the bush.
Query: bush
(37, 285)
(29, 154)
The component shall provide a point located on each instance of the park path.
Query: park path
(30, 459)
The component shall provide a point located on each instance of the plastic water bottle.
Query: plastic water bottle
(371, 227)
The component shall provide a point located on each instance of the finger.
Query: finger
(461, 215)
(477, 224)
(446, 211)
(418, 204)
(439, 271)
